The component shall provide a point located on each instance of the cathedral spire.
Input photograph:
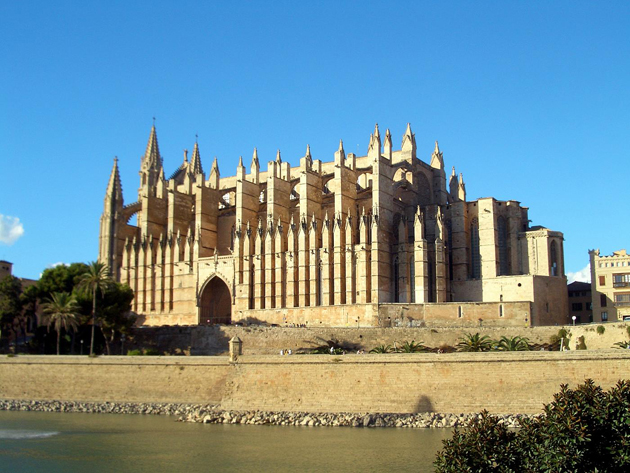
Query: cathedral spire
(195, 162)
(151, 170)
(340, 155)
(374, 149)
(437, 158)
(255, 169)
(114, 186)
(152, 158)
(409, 143)
(214, 174)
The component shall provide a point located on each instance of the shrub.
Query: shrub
(601, 329)
(513, 344)
(382, 349)
(581, 344)
(585, 429)
(560, 339)
(134, 352)
(152, 352)
(411, 347)
(474, 342)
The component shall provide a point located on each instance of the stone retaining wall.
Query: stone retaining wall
(396, 383)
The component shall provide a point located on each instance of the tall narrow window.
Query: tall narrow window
(320, 284)
(553, 260)
(449, 229)
(475, 255)
(412, 279)
(503, 247)
(396, 280)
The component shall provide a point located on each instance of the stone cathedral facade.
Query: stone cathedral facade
(384, 239)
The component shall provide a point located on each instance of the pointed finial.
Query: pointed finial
(461, 178)
(437, 148)
(153, 121)
(376, 133)
(340, 145)
(408, 130)
(388, 134)
(196, 137)
(453, 172)
(278, 158)
(115, 159)
(240, 162)
(308, 151)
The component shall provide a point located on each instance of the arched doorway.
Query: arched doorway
(215, 303)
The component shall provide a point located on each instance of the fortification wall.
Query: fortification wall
(260, 340)
(449, 383)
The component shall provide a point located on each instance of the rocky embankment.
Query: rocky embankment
(209, 414)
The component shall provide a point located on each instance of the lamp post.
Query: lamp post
(81, 346)
(574, 317)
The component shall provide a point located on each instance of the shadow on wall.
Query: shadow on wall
(424, 405)
(185, 341)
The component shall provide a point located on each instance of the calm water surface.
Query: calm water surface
(53, 442)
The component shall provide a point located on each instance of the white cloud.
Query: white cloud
(54, 265)
(583, 275)
(10, 229)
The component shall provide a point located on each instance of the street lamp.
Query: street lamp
(574, 317)
(81, 346)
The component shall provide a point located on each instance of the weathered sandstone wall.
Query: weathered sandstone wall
(398, 383)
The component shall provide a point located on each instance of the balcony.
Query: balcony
(621, 304)
(621, 284)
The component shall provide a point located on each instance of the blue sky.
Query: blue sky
(530, 100)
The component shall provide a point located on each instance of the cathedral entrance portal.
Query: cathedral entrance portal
(215, 303)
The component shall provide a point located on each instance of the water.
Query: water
(52, 442)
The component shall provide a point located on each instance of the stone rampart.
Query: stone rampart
(261, 340)
(397, 383)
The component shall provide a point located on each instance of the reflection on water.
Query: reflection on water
(52, 442)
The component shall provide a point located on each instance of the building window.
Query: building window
(553, 262)
(602, 300)
(589, 306)
(604, 316)
(503, 247)
(576, 306)
(602, 280)
(475, 255)
(621, 280)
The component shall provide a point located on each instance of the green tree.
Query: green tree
(95, 280)
(61, 278)
(61, 312)
(474, 342)
(585, 429)
(115, 315)
(513, 344)
(10, 303)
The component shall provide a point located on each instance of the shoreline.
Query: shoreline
(212, 414)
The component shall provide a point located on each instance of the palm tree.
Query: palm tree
(474, 342)
(96, 279)
(61, 311)
(513, 344)
(411, 347)
(382, 349)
